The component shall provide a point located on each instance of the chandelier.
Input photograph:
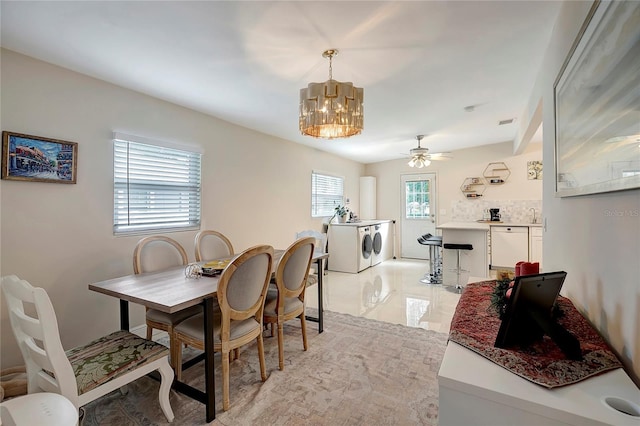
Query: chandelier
(419, 156)
(332, 109)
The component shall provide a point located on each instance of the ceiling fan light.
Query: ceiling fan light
(332, 109)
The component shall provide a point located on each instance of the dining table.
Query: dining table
(172, 290)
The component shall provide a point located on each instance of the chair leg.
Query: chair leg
(303, 326)
(237, 353)
(263, 368)
(166, 374)
(149, 332)
(225, 380)
(272, 326)
(281, 346)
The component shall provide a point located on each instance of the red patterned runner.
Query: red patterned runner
(475, 325)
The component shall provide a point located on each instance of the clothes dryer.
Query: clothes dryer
(366, 247)
(377, 237)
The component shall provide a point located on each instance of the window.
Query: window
(417, 199)
(327, 192)
(156, 188)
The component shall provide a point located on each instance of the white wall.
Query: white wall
(256, 189)
(450, 174)
(595, 238)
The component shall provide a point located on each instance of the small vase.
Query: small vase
(342, 219)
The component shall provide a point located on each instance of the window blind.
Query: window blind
(156, 188)
(327, 192)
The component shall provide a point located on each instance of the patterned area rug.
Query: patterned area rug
(475, 325)
(357, 372)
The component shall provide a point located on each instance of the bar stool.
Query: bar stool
(434, 276)
(458, 247)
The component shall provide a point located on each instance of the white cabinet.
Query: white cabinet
(509, 245)
(535, 245)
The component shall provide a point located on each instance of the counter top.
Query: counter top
(472, 226)
(363, 222)
(483, 226)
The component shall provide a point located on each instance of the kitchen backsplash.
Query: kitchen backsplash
(512, 211)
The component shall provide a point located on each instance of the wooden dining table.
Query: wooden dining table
(170, 291)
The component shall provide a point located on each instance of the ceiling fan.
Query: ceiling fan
(420, 157)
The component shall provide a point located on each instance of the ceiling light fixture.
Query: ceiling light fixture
(419, 157)
(332, 109)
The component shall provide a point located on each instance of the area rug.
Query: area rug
(475, 325)
(357, 372)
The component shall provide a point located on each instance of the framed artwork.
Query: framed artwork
(534, 170)
(38, 159)
(597, 119)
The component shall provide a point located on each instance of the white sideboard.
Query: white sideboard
(476, 391)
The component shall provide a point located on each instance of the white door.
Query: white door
(418, 213)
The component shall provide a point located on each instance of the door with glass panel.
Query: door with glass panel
(418, 213)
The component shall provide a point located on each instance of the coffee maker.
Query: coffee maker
(495, 215)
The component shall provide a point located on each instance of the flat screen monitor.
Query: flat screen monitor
(529, 314)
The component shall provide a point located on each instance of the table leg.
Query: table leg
(320, 308)
(209, 367)
(124, 315)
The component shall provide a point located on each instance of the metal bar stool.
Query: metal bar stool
(458, 247)
(434, 276)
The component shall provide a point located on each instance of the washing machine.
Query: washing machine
(366, 247)
(377, 237)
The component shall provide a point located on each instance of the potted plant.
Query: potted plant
(342, 213)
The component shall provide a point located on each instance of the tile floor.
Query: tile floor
(390, 291)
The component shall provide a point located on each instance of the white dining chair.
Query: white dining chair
(84, 373)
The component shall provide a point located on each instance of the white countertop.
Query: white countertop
(363, 222)
(482, 226)
(472, 226)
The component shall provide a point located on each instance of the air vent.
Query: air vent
(507, 121)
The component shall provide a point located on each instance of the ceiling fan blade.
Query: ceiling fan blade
(440, 156)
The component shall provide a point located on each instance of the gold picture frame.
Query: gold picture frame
(38, 159)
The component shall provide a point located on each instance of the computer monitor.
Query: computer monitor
(529, 314)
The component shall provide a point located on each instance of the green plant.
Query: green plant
(339, 211)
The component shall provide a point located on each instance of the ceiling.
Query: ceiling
(420, 62)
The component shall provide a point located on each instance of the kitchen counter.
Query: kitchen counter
(465, 225)
(474, 261)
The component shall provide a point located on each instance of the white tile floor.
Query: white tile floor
(390, 291)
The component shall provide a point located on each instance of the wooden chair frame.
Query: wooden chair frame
(207, 233)
(280, 316)
(138, 269)
(228, 314)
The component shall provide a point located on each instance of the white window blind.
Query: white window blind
(156, 188)
(327, 192)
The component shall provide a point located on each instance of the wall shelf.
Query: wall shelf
(496, 173)
(472, 187)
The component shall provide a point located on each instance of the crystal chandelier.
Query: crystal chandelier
(332, 109)
(419, 156)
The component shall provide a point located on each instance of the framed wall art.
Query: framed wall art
(38, 159)
(597, 98)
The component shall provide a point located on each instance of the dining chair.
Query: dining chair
(241, 293)
(287, 301)
(84, 373)
(320, 245)
(212, 245)
(155, 253)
